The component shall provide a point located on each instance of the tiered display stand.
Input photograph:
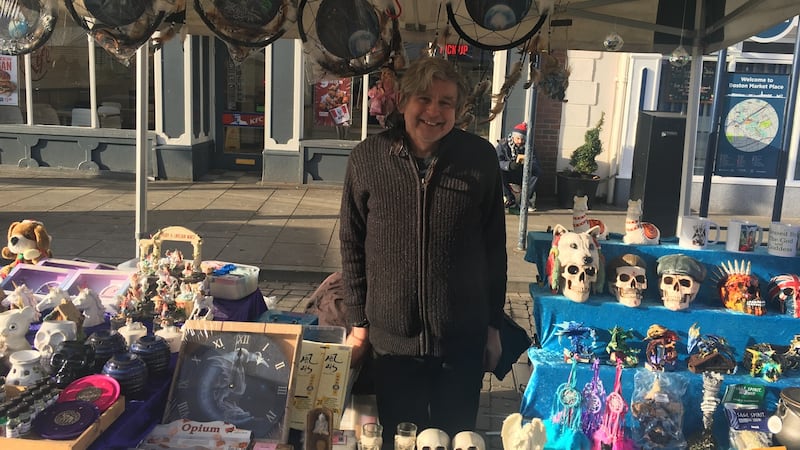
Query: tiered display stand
(603, 312)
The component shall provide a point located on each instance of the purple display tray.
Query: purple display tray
(106, 283)
(38, 278)
(69, 264)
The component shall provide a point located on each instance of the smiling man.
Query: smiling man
(424, 256)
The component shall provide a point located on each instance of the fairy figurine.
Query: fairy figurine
(581, 341)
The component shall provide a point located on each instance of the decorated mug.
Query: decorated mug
(743, 236)
(783, 239)
(695, 232)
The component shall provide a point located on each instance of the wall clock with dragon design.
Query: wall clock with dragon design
(236, 372)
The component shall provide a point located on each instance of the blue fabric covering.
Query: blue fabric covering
(602, 312)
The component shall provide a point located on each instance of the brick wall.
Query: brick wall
(546, 135)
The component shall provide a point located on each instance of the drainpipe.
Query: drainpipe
(617, 121)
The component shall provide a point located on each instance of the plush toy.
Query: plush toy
(28, 242)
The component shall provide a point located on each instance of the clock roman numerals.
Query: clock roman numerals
(280, 365)
(271, 416)
(242, 339)
(183, 409)
(218, 343)
(283, 390)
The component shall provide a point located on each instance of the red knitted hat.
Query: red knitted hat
(521, 129)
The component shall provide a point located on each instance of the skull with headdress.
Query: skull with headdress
(627, 279)
(739, 288)
(680, 280)
(784, 290)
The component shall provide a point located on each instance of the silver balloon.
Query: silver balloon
(679, 57)
(613, 42)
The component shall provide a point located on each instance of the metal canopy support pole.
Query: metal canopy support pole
(692, 113)
(788, 121)
(711, 148)
(530, 121)
(142, 101)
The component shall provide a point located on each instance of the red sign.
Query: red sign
(329, 96)
(237, 119)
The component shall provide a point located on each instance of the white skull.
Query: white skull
(432, 439)
(630, 284)
(678, 291)
(578, 256)
(468, 440)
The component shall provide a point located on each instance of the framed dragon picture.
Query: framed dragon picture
(237, 372)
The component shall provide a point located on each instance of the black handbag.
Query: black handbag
(515, 341)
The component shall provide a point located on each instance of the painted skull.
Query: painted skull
(627, 279)
(784, 290)
(680, 277)
(739, 289)
(578, 262)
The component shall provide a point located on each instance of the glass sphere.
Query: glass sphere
(613, 42)
(679, 57)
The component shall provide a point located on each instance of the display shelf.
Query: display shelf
(763, 265)
(603, 312)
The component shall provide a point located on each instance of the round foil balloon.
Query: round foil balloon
(26, 25)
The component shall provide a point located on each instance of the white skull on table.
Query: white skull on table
(680, 280)
(577, 264)
(627, 278)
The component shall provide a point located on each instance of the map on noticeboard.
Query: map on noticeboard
(752, 123)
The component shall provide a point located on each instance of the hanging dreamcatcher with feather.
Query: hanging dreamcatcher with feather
(26, 25)
(346, 38)
(122, 26)
(247, 26)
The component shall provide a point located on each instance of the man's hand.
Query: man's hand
(493, 350)
(359, 340)
(520, 158)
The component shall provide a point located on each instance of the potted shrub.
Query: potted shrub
(580, 179)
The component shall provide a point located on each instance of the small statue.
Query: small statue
(619, 350)
(582, 341)
(661, 353)
(713, 353)
(763, 362)
(739, 288)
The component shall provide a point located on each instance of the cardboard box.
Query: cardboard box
(321, 380)
(82, 442)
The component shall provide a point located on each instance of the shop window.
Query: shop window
(243, 100)
(61, 89)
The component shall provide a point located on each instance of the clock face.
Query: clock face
(751, 125)
(240, 377)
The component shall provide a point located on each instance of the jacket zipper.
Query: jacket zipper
(422, 197)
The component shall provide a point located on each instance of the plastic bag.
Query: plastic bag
(657, 407)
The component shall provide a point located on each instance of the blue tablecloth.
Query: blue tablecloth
(763, 265)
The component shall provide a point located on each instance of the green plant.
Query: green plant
(582, 159)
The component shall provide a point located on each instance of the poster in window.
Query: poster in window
(332, 102)
(9, 95)
(752, 125)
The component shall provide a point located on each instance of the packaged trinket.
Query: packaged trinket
(657, 407)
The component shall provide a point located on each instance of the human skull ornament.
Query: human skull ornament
(627, 279)
(433, 439)
(680, 277)
(468, 440)
(574, 263)
(784, 290)
(739, 288)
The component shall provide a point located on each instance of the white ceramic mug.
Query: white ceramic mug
(695, 232)
(783, 239)
(743, 236)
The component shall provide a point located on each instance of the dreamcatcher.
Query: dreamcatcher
(122, 26)
(26, 25)
(346, 38)
(247, 26)
(498, 24)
